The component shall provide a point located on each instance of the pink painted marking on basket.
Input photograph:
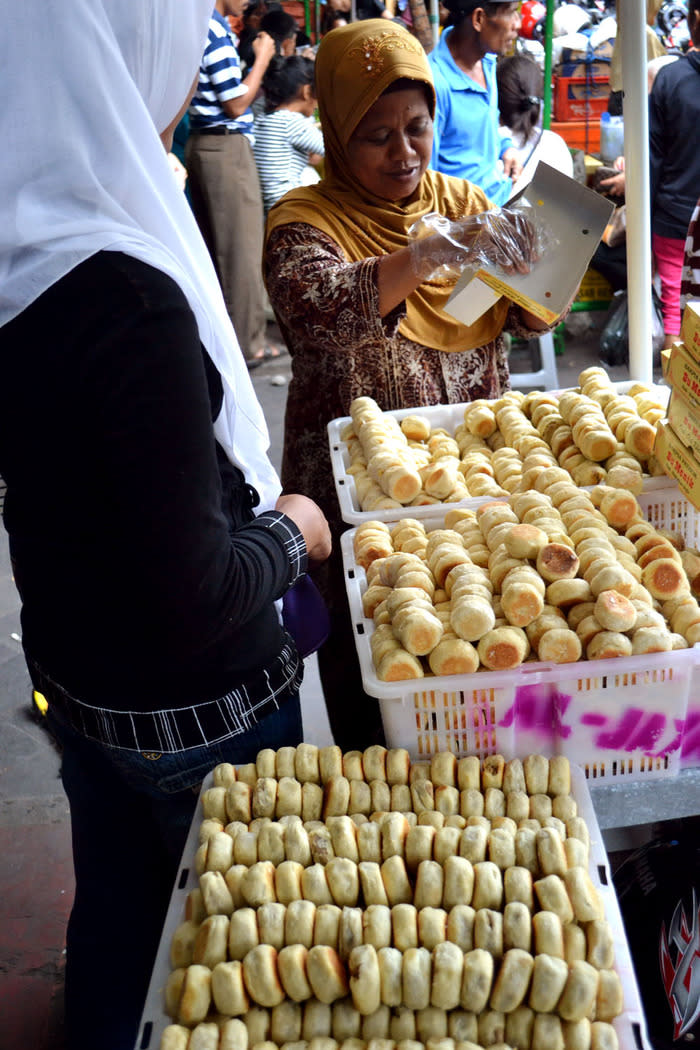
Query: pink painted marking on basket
(634, 730)
(561, 704)
(691, 737)
(535, 710)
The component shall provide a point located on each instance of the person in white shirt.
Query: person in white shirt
(520, 87)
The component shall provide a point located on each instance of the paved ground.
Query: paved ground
(35, 865)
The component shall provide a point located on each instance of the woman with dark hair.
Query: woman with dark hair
(520, 86)
(287, 140)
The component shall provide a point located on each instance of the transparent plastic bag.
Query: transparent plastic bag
(512, 239)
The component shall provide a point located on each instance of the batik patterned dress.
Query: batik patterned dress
(328, 311)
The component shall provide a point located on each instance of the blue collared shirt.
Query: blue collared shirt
(466, 140)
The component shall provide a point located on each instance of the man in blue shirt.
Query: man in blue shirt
(466, 140)
(223, 177)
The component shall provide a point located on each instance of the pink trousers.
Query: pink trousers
(668, 254)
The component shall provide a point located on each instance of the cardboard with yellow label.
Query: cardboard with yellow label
(684, 420)
(678, 462)
(690, 329)
(682, 373)
(574, 218)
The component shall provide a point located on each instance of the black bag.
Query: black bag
(614, 339)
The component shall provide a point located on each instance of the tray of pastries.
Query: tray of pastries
(368, 901)
(406, 461)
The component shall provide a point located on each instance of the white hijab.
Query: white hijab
(91, 84)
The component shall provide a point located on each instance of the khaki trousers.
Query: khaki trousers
(225, 195)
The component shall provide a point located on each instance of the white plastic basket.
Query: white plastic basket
(630, 1025)
(449, 417)
(620, 718)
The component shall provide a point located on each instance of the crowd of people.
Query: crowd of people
(151, 539)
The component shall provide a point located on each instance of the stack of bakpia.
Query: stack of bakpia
(359, 900)
(555, 574)
(593, 432)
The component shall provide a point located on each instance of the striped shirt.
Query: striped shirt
(220, 80)
(283, 141)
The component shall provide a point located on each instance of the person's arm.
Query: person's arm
(307, 137)
(512, 165)
(264, 50)
(309, 260)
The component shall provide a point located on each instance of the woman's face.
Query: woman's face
(389, 150)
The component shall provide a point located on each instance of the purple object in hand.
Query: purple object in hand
(305, 616)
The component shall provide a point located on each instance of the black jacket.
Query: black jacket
(674, 119)
(145, 578)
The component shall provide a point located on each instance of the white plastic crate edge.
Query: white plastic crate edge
(630, 1025)
(449, 417)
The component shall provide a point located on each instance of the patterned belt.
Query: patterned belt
(173, 729)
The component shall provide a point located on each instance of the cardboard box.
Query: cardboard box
(690, 329)
(685, 422)
(574, 218)
(678, 462)
(578, 67)
(683, 374)
(594, 288)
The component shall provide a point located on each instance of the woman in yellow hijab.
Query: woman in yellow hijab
(356, 303)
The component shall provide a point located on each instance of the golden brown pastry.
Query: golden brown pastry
(326, 974)
(175, 1037)
(513, 980)
(460, 926)
(432, 927)
(261, 977)
(404, 925)
(228, 989)
(548, 938)
(364, 979)
(416, 978)
(447, 967)
(428, 891)
(517, 928)
(477, 979)
(580, 991)
(503, 648)
(600, 945)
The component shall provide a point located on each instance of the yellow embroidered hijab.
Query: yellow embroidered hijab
(355, 64)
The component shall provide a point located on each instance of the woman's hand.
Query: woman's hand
(511, 164)
(311, 522)
(501, 237)
(614, 186)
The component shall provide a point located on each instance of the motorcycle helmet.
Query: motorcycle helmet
(658, 887)
(569, 19)
(532, 15)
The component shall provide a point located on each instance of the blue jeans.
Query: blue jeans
(130, 816)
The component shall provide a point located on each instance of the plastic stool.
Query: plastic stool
(546, 376)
